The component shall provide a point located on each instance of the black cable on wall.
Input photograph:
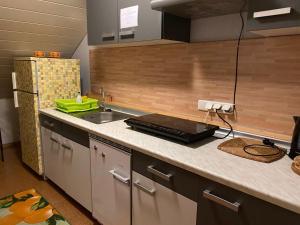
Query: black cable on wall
(238, 52)
(236, 72)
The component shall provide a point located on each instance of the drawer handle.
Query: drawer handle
(150, 191)
(233, 206)
(48, 124)
(161, 175)
(126, 34)
(118, 177)
(54, 140)
(273, 12)
(108, 36)
(66, 147)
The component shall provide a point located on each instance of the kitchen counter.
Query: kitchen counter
(275, 182)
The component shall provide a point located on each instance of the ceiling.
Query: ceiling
(30, 25)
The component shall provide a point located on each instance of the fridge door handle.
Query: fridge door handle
(16, 102)
(14, 80)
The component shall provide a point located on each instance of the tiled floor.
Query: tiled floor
(15, 177)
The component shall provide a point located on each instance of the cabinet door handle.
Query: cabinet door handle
(125, 180)
(233, 206)
(150, 191)
(54, 140)
(48, 124)
(126, 34)
(66, 147)
(161, 175)
(108, 36)
(273, 12)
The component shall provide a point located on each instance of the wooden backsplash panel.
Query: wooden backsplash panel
(170, 79)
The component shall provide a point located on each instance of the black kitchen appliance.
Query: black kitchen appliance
(186, 131)
(295, 146)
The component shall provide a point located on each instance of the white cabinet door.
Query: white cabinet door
(110, 184)
(53, 157)
(77, 170)
(154, 204)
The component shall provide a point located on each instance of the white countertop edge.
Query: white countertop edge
(215, 177)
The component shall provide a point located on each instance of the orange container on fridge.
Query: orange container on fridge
(54, 54)
(39, 54)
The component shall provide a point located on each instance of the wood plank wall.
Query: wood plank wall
(27, 26)
(170, 79)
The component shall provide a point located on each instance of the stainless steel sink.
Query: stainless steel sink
(99, 117)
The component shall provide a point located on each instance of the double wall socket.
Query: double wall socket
(223, 107)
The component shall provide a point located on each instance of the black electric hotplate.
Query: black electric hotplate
(186, 131)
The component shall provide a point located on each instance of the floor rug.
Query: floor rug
(28, 207)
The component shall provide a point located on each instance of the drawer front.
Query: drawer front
(174, 178)
(155, 204)
(50, 123)
(77, 135)
(273, 14)
(221, 205)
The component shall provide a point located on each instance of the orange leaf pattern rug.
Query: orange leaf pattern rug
(28, 207)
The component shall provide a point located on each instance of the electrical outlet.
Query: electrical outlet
(224, 107)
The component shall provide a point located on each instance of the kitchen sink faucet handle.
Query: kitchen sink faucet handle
(102, 95)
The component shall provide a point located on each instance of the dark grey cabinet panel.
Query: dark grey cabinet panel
(217, 203)
(252, 211)
(273, 21)
(181, 181)
(77, 135)
(102, 21)
(104, 25)
(149, 22)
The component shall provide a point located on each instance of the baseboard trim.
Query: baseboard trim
(10, 145)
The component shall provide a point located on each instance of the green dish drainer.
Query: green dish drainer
(71, 106)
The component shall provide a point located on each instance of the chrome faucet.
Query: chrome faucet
(102, 103)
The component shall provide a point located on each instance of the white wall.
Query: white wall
(82, 53)
(219, 28)
(9, 122)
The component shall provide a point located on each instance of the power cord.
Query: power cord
(231, 129)
(267, 144)
(238, 52)
(236, 71)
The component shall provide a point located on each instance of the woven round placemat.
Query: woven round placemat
(296, 169)
(296, 165)
(236, 146)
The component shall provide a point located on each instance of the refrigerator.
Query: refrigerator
(37, 82)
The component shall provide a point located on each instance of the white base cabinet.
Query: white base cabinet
(110, 184)
(67, 164)
(154, 204)
(77, 169)
(53, 157)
